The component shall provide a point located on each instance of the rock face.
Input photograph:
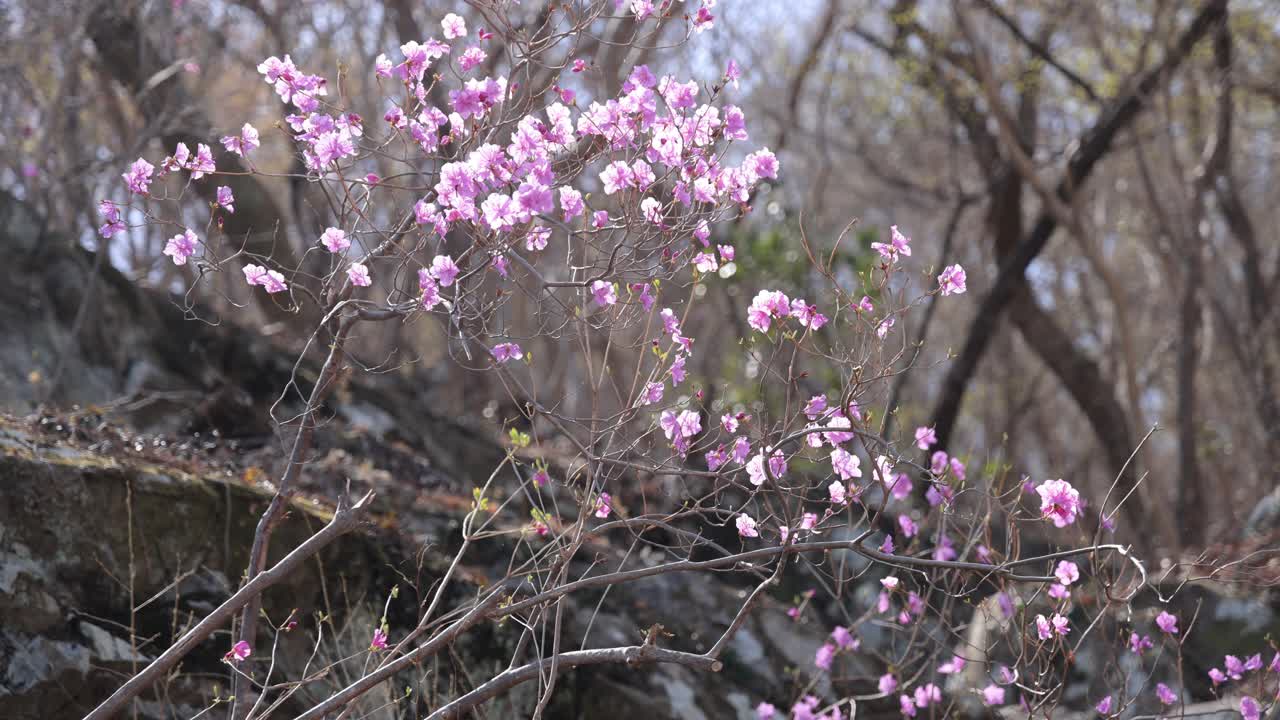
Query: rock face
(86, 536)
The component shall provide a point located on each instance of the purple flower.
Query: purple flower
(1168, 623)
(843, 638)
(909, 528)
(1067, 572)
(1249, 709)
(993, 695)
(270, 280)
(238, 652)
(454, 26)
(358, 274)
(604, 505)
(951, 281)
(747, 529)
(898, 244)
(334, 240)
(925, 437)
(604, 293)
(181, 247)
(1166, 694)
(444, 270)
(503, 352)
(825, 655)
(226, 199)
(1059, 502)
(139, 176)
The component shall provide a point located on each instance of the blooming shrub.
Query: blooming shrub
(608, 215)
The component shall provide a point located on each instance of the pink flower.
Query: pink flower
(928, 694)
(755, 469)
(1235, 668)
(732, 72)
(616, 176)
(925, 437)
(1058, 591)
(864, 305)
(816, 406)
(1216, 676)
(503, 352)
(888, 683)
(358, 274)
(444, 270)
(430, 291)
(226, 199)
(766, 306)
(203, 162)
(1061, 625)
(951, 281)
(909, 527)
(1249, 709)
(993, 695)
(952, 666)
(884, 327)
(1059, 502)
(1067, 572)
(240, 651)
(761, 164)
(453, 26)
(379, 640)
(889, 583)
(907, 706)
(241, 145)
(1167, 623)
(824, 656)
(472, 57)
(111, 214)
(1166, 694)
(846, 464)
(843, 638)
(604, 505)
(652, 393)
(902, 485)
(181, 247)
(139, 176)
(1104, 705)
(1139, 644)
(938, 462)
(898, 244)
(571, 202)
(837, 491)
(1043, 629)
(334, 240)
(604, 293)
(747, 526)
(270, 280)
(765, 711)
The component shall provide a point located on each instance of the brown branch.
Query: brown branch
(1038, 49)
(1092, 147)
(345, 519)
(422, 652)
(631, 655)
